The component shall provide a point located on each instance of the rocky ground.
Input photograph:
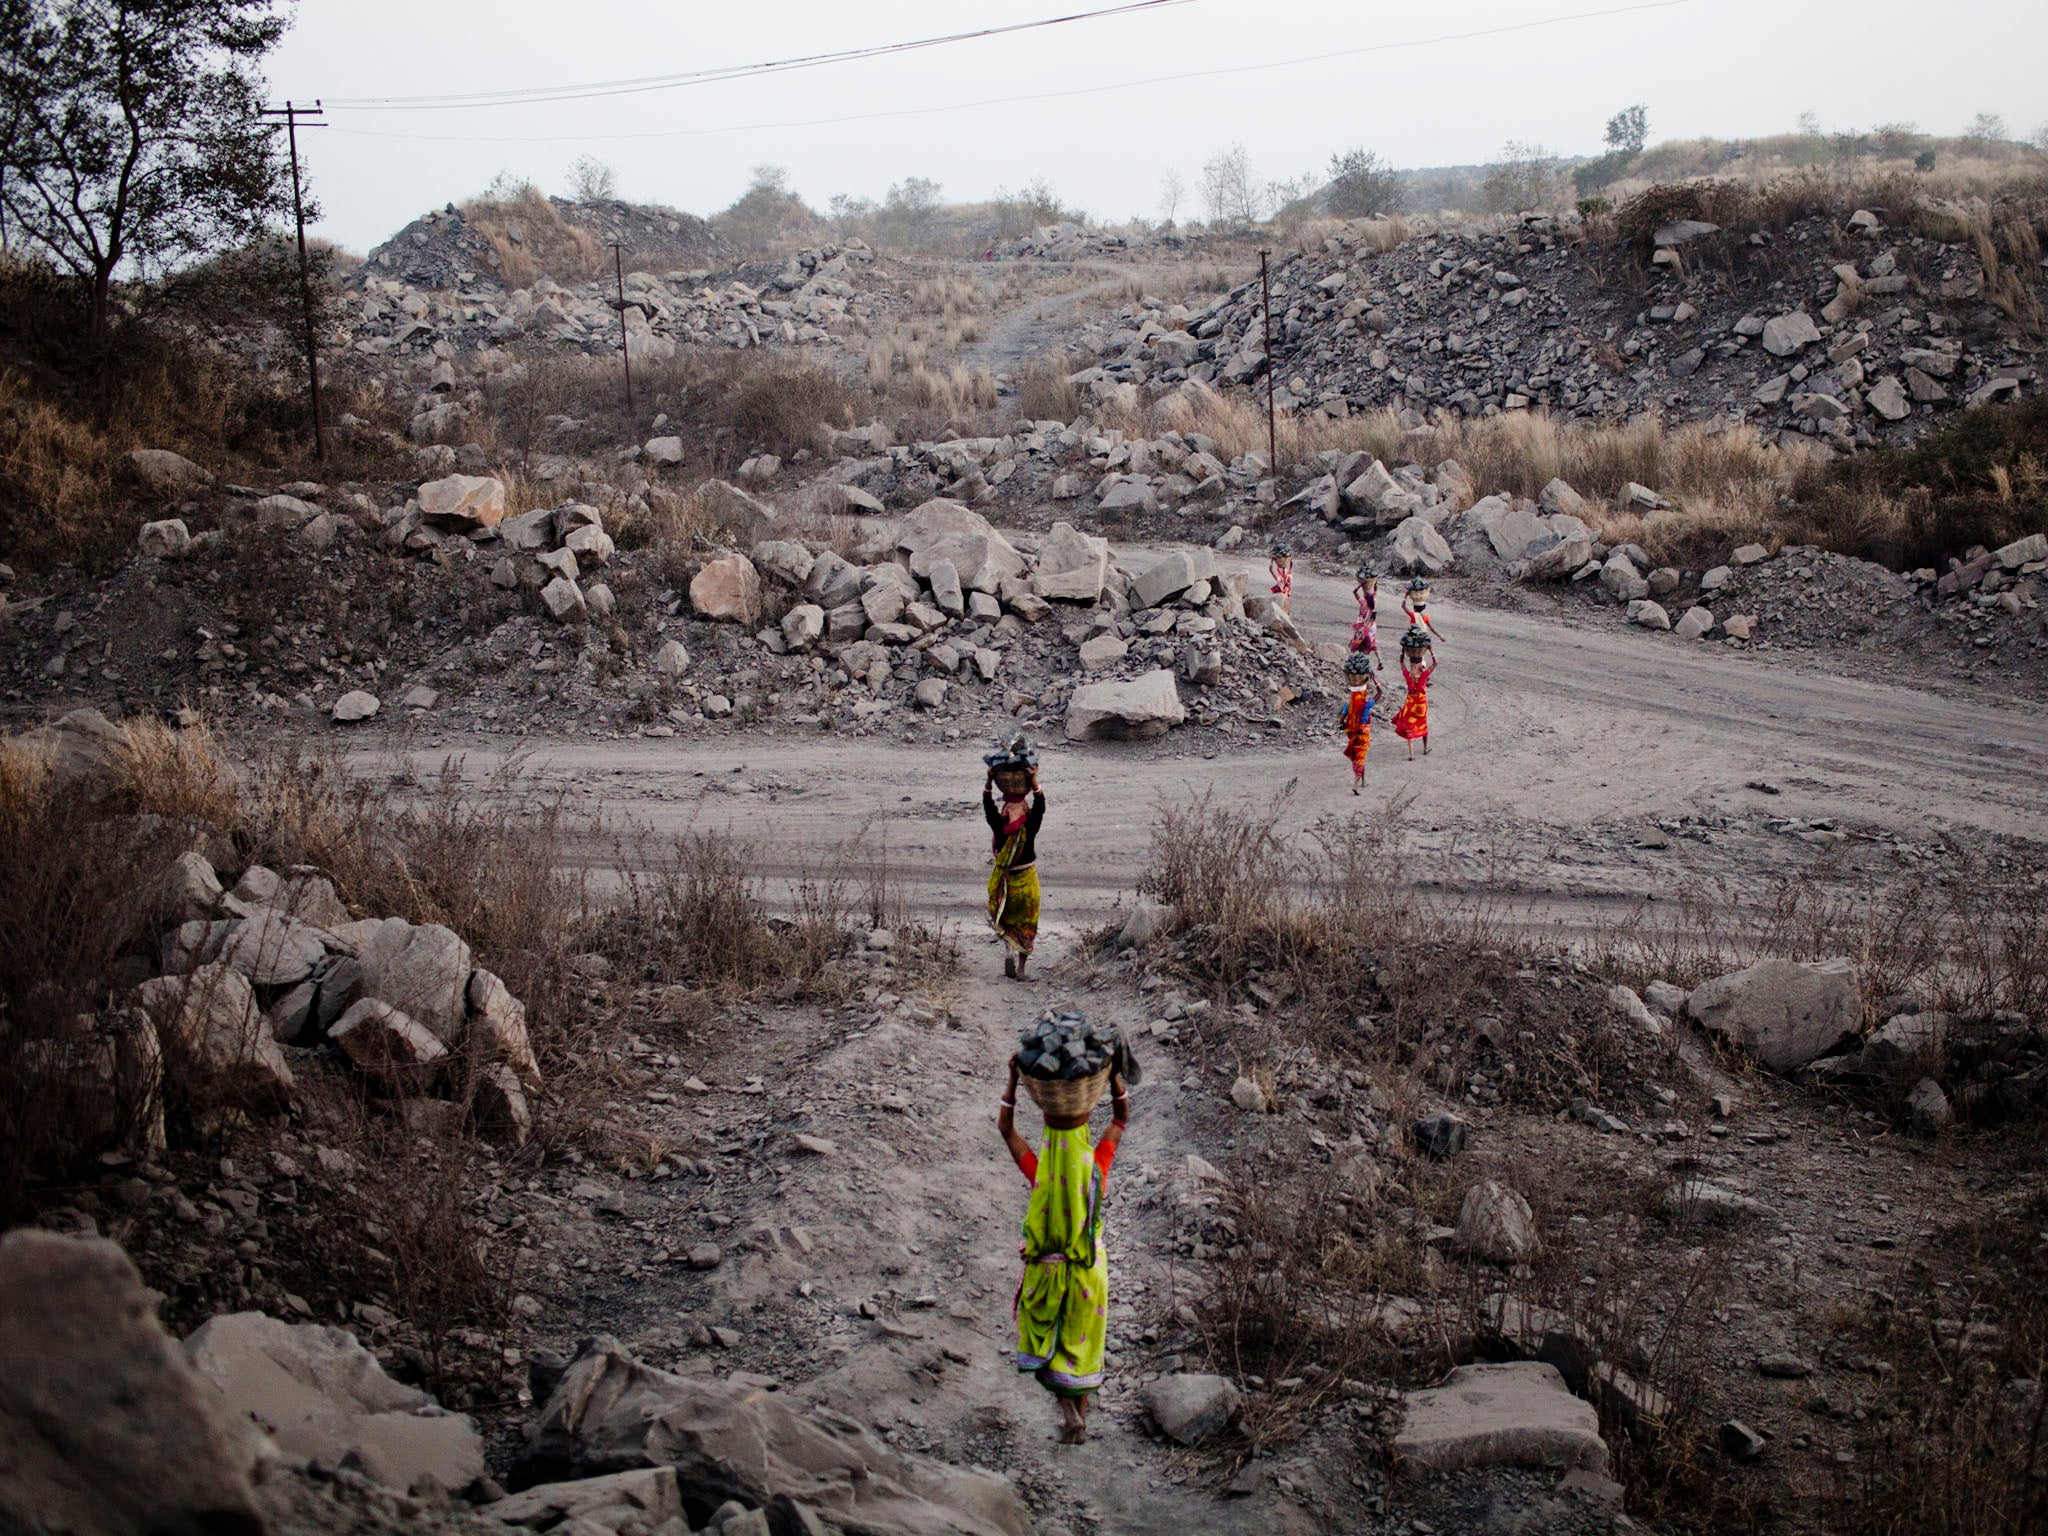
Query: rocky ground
(1845, 335)
(750, 1249)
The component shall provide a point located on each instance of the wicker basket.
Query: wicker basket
(1066, 1098)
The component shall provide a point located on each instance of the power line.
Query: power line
(1000, 101)
(593, 90)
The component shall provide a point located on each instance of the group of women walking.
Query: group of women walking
(1062, 1300)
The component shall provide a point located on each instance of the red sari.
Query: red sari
(1411, 720)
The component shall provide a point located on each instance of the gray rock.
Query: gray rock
(1515, 1414)
(1788, 334)
(1189, 1407)
(833, 582)
(727, 590)
(211, 1016)
(590, 1505)
(1693, 624)
(354, 706)
(803, 626)
(1440, 1135)
(108, 1430)
(729, 1441)
(497, 1020)
(1147, 920)
(1072, 566)
(1651, 615)
(1665, 998)
(1785, 1013)
(1496, 1224)
(947, 592)
(930, 693)
(672, 660)
(386, 1043)
(1887, 397)
(1620, 579)
(1419, 549)
(319, 1395)
(1102, 651)
(1167, 578)
(165, 540)
(1144, 707)
(783, 561)
(422, 970)
(1928, 1107)
(272, 949)
(563, 600)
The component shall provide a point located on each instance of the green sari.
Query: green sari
(1063, 1299)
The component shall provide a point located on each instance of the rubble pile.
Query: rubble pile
(1849, 336)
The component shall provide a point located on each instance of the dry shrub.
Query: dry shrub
(696, 911)
(778, 406)
(176, 774)
(1045, 389)
(548, 243)
(1955, 1442)
(76, 890)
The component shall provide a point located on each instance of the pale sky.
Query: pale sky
(1725, 68)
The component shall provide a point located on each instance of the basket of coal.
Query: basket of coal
(1065, 1063)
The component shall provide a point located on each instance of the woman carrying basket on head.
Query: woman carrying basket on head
(1013, 828)
(1063, 1295)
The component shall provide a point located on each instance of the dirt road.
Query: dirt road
(1556, 750)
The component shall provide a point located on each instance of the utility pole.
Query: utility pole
(1272, 431)
(625, 352)
(293, 115)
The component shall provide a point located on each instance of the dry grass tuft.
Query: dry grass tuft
(548, 244)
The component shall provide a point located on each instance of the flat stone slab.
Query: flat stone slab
(1518, 1414)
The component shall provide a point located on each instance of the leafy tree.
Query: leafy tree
(1362, 185)
(592, 180)
(909, 208)
(131, 136)
(1018, 213)
(1524, 178)
(766, 210)
(1231, 188)
(1629, 130)
(1896, 140)
(1173, 191)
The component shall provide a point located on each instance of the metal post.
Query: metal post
(625, 353)
(291, 114)
(1272, 431)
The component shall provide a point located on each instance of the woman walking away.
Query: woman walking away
(1281, 568)
(1365, 629)
(1418, 661)
(1357, 721)
(1063, 1296)
(1013, 828)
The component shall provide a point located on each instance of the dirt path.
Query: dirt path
(1035, 328)
(1556, 752)
(877, 1278)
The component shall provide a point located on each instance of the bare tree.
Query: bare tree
(591, 180)
(1231, 188)
(132, 140)
(1986, 129)
(1173, 191)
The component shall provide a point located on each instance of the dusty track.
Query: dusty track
(1554, 748)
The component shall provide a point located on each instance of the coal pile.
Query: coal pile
(1065, 1047)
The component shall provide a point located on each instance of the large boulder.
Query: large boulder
(320, 1396)
(498, 1020)
(209, 1021)
(463, 502)
(1785, 1013)
(1419, 549)
(727, 590)
(81, 749)
(422, 969)
(1561, 561)
(1517, 1414)
(727, 506)
(981, 562)
(105, 1429)
(815, 1470)
(1144, 707)
(833, 582)
(1167, 578)
(167, 473)
(1189, 1407)
(1072, 565)
(387, 1044)
(586, 1506)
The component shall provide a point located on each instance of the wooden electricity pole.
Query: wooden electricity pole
(1272, 431)
(293, 115)
(625, 352)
